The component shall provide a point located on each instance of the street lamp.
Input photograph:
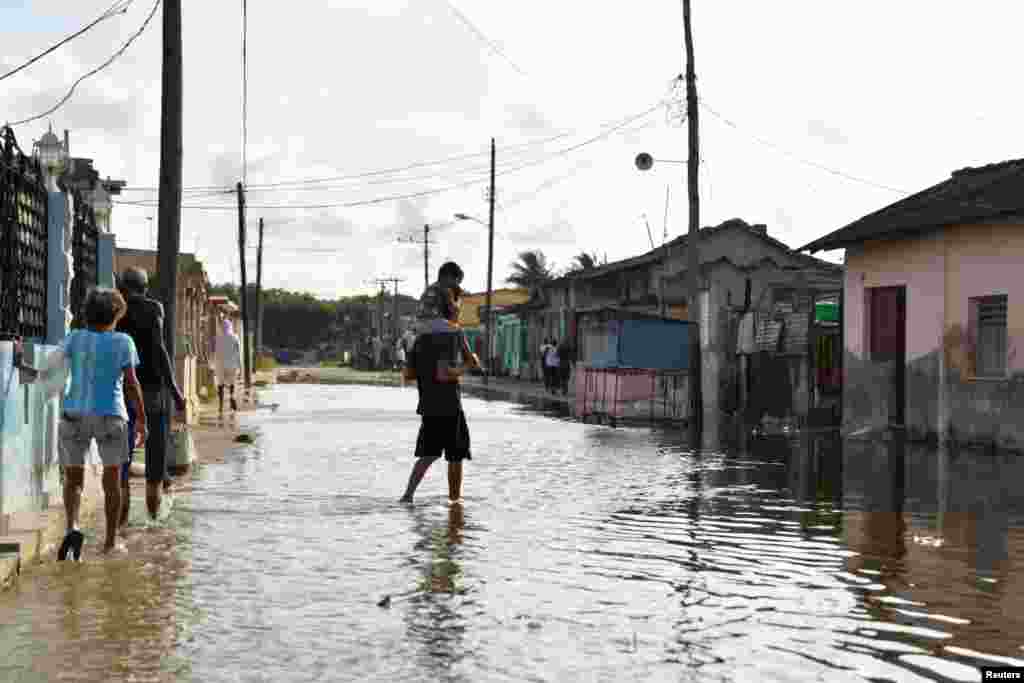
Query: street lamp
(645, 161)
(102, 205)
(490, 272)
(52, 155)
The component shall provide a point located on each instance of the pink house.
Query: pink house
(934, 310)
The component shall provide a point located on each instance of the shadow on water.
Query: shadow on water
(435, 613)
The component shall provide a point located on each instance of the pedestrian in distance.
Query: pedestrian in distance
(143, 321)
(552, 366)
(102, 363)
(545, 371)
(566, 360)
(437, 362)
(227, 363)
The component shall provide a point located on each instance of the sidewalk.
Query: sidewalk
(519, 388)
(34, 536)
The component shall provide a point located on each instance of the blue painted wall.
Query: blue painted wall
(652, 344)
(28, 436)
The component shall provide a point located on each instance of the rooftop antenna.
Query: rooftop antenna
(650, 236)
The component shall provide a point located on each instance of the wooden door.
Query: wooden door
(888, 342)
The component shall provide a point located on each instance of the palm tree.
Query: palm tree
(584, 261)
(530, 270)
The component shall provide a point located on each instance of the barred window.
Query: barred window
(989, 314)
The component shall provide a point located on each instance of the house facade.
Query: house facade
(934, 310)
(739, 263)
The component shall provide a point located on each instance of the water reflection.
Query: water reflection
(435, 616)
(585, 553)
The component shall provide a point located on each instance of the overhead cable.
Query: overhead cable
(95, 71)
(118, 8)
(433, 191)
(814, 164)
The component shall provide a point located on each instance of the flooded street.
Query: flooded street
(582, 553)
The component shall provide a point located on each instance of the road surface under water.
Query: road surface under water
(582, 553)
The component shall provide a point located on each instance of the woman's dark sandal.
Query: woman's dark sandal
(72, 546)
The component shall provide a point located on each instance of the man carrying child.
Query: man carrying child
(437, 360)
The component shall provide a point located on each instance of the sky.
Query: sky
(812, 115)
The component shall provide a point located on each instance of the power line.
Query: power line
(118, 8)
(260, 187)
(800, 159)
(95, 71)
(483, 37)
(433, 191)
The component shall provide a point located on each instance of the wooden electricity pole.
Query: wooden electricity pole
(244, 293)
(426, 242)
(488, 331)
(693, 267)
(383, 281)
(259, 292)
(169, 212)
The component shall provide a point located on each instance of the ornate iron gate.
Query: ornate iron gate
(85, 252)
(23, 241)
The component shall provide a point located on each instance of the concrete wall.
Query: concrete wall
(28, 438)
(941, 272)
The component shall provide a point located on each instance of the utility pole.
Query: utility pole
(259, 292)
(382, 281)
(488, 329)
(696, 395)
(426, 242)
(169, 212)
(244, 293)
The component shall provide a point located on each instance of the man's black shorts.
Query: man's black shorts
(448, 435)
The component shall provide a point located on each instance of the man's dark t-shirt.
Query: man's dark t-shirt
(436, 399)
(144, 323)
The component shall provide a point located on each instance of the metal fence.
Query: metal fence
(23, 241)
(85, 252)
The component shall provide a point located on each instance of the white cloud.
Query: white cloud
(350, 88)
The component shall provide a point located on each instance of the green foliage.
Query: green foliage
(299, 320)
(530, 269)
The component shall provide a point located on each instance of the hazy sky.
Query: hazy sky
(895, 94)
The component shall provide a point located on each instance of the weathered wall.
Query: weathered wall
(28, 437)
(941, 272)
(983, 260)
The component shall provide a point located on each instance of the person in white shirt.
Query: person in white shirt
(227, 362)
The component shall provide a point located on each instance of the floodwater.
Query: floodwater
(582, 552)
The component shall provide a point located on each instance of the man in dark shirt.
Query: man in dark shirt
(443, 428)
(144, 323)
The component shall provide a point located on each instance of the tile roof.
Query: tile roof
(654, 255)
(968, 195)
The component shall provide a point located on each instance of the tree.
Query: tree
(530, 270)
(585, 261)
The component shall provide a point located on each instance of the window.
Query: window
(988, 315)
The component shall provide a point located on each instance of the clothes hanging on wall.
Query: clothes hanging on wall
(746, 342)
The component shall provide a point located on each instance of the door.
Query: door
(888, 342)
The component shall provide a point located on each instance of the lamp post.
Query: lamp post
(645, 162)
(52, 155)
(490, 271)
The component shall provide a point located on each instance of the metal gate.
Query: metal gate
(85, 252)
(23, 241)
